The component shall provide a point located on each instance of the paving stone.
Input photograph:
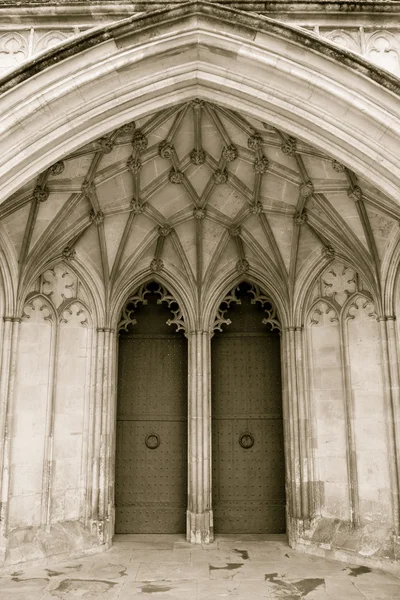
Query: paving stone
(238, 569)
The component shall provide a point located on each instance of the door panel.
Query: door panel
(151, 461)
(248, 456)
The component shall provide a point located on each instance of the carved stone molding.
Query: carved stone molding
(128, 127)
(175, 176)
(256, 208)
(230, 153)
(68, 253)
(199, 213)
(306, 189)
(242, 265)
(137, 206)
(139, 141)
(220, 176)
(97, 217)
(156, 265)
(289, 146)
(261, 165)
(105, 144)
(165, 149)
(355, 193)
(57, 168)
(134, 164)
(197, 156)
(88, 189)
(40, 193)
(300, 218)
(255, 141)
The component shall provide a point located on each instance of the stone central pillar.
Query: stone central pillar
(199, 512)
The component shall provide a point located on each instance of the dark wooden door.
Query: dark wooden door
(248, 454)
(151, 449)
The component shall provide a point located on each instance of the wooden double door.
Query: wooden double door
(247, 432)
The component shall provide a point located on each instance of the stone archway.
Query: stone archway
(298, 165)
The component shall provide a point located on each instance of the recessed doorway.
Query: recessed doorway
(151, 448)
(247, 425)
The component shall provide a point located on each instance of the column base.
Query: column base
(199, 527)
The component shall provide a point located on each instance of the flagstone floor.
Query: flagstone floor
(168, 568)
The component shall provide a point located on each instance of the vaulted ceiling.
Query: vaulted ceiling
(198, 189)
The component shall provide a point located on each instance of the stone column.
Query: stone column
(10, 339)
(199, 512)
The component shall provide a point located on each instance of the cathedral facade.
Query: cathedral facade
(199, 275)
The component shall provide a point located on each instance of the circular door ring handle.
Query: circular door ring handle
(246, 440)
(152, 441)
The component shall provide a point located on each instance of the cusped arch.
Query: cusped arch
(175, 288)
(242, 61)
(232, 279)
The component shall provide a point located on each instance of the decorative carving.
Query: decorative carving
(134, 164)
(139, 141)
(242, 265)
(137, 206)
(256, 208)
(255, 141)
(220, 176)
(51, 39)
(175, 176)
(177, 319)
(199, 213)
(40, 193)
(88, 189)
(220, 316)
(156, 265)
(344, 39)
(37, 304)
(127, 316)
(230, 153)
(306, 189)
(105, 144)
(339, 282)
(165, 149)
(328, 252)
(164, 230)
(300, 218)
(96, 217)
(59, 284)
(271, 318)
(235, 230)
(338, 167)
(261, 165)
(197, 156)
(355, 193)
(68, 253)
(289, 146)
(13, 49)
(128, 127)
(383, 50)
(323, 308)
(363, 303)
(76, 313)
(57, 168)
(197, 104)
